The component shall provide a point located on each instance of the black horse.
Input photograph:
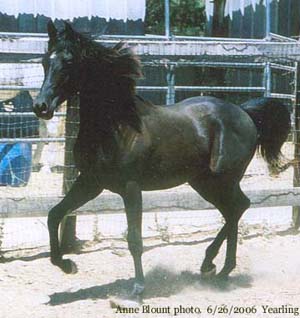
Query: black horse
(128, 145)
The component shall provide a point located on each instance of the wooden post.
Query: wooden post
(170, 96)
(267, 79)
(220, 28)
(68, 225)
(296, 179)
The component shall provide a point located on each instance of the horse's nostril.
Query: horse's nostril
(43, 107)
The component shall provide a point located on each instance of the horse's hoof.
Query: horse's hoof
(68, 266)
(207, 274)
(55, 261)
(138, 289)
(222, 277)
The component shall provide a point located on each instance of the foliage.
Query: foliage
(187, 17)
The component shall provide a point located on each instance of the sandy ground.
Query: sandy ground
(267, 274)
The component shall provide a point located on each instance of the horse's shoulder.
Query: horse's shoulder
(131, 141)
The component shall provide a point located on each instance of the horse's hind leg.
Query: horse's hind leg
(208, 267)
(83, 190)
(231, 202)
(232, 215)
(133, 205)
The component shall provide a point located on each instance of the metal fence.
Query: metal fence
(260, 58)
(235, 54)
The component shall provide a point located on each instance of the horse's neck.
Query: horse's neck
(100, 129)
(96, 135)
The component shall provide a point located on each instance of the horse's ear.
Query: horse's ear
(52, 31)
(68, 28)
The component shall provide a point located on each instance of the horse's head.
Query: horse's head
(75, 63)
(60, 69)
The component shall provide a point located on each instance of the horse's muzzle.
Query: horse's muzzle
(42, 110)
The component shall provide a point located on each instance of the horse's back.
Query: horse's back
(208, 109)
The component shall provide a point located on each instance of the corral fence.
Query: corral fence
(271, 70)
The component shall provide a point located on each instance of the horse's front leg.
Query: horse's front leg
(84, 189)
(133, 205)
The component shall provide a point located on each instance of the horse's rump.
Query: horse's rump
(231, 133)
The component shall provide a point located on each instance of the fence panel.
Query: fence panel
(169, 65)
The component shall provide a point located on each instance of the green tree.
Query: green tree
(187, 17)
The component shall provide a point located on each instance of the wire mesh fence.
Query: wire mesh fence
(40, 170)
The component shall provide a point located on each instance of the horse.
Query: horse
(128, 145)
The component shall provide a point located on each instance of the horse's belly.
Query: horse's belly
(156, 182)
(167, 174)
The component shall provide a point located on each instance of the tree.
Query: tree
(187, 17)
(219, 23)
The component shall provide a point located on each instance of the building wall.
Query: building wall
(95, 16)
(247, 18)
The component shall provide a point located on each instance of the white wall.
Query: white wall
(233, 5)
(69, 9)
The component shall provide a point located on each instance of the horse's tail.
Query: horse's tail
(273, 123)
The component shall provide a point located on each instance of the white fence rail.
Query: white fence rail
(177, 200)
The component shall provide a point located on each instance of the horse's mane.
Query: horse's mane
(121, 70)
(126, 62)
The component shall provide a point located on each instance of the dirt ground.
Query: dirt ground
(266, 278)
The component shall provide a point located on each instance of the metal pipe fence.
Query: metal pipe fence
(27, 206)
(171, 88)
